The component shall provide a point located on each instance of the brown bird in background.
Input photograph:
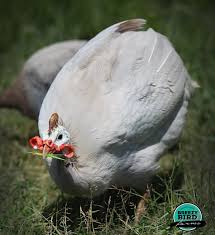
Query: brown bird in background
(28, 91)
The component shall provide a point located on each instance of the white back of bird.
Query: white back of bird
(41, 69)
(123, 98)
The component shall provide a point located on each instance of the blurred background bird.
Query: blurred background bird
(29, 89)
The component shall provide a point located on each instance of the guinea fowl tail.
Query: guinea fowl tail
(14, 97)
(8, 99)
(190, 87)
(194, 84)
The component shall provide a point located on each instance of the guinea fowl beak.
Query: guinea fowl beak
(49, 145)
(47, 148)
(45, 151)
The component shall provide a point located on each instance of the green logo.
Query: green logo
(187, 217)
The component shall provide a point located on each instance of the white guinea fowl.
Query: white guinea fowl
(122, 99)
(29, 89)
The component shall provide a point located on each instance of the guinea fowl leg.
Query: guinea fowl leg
(141, 207)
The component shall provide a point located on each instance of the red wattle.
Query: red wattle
(68, 150)
(37, 143)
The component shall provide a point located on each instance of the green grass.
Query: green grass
(29, 202)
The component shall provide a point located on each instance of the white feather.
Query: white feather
(153, 48)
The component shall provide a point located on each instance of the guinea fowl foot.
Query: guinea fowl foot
(141, 207)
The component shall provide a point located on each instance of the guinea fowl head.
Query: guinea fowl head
(56, 135)
(81, 173)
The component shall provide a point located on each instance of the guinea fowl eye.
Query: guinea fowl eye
(60, 137)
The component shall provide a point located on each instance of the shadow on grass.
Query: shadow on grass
(94, 212)
(115, 206)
